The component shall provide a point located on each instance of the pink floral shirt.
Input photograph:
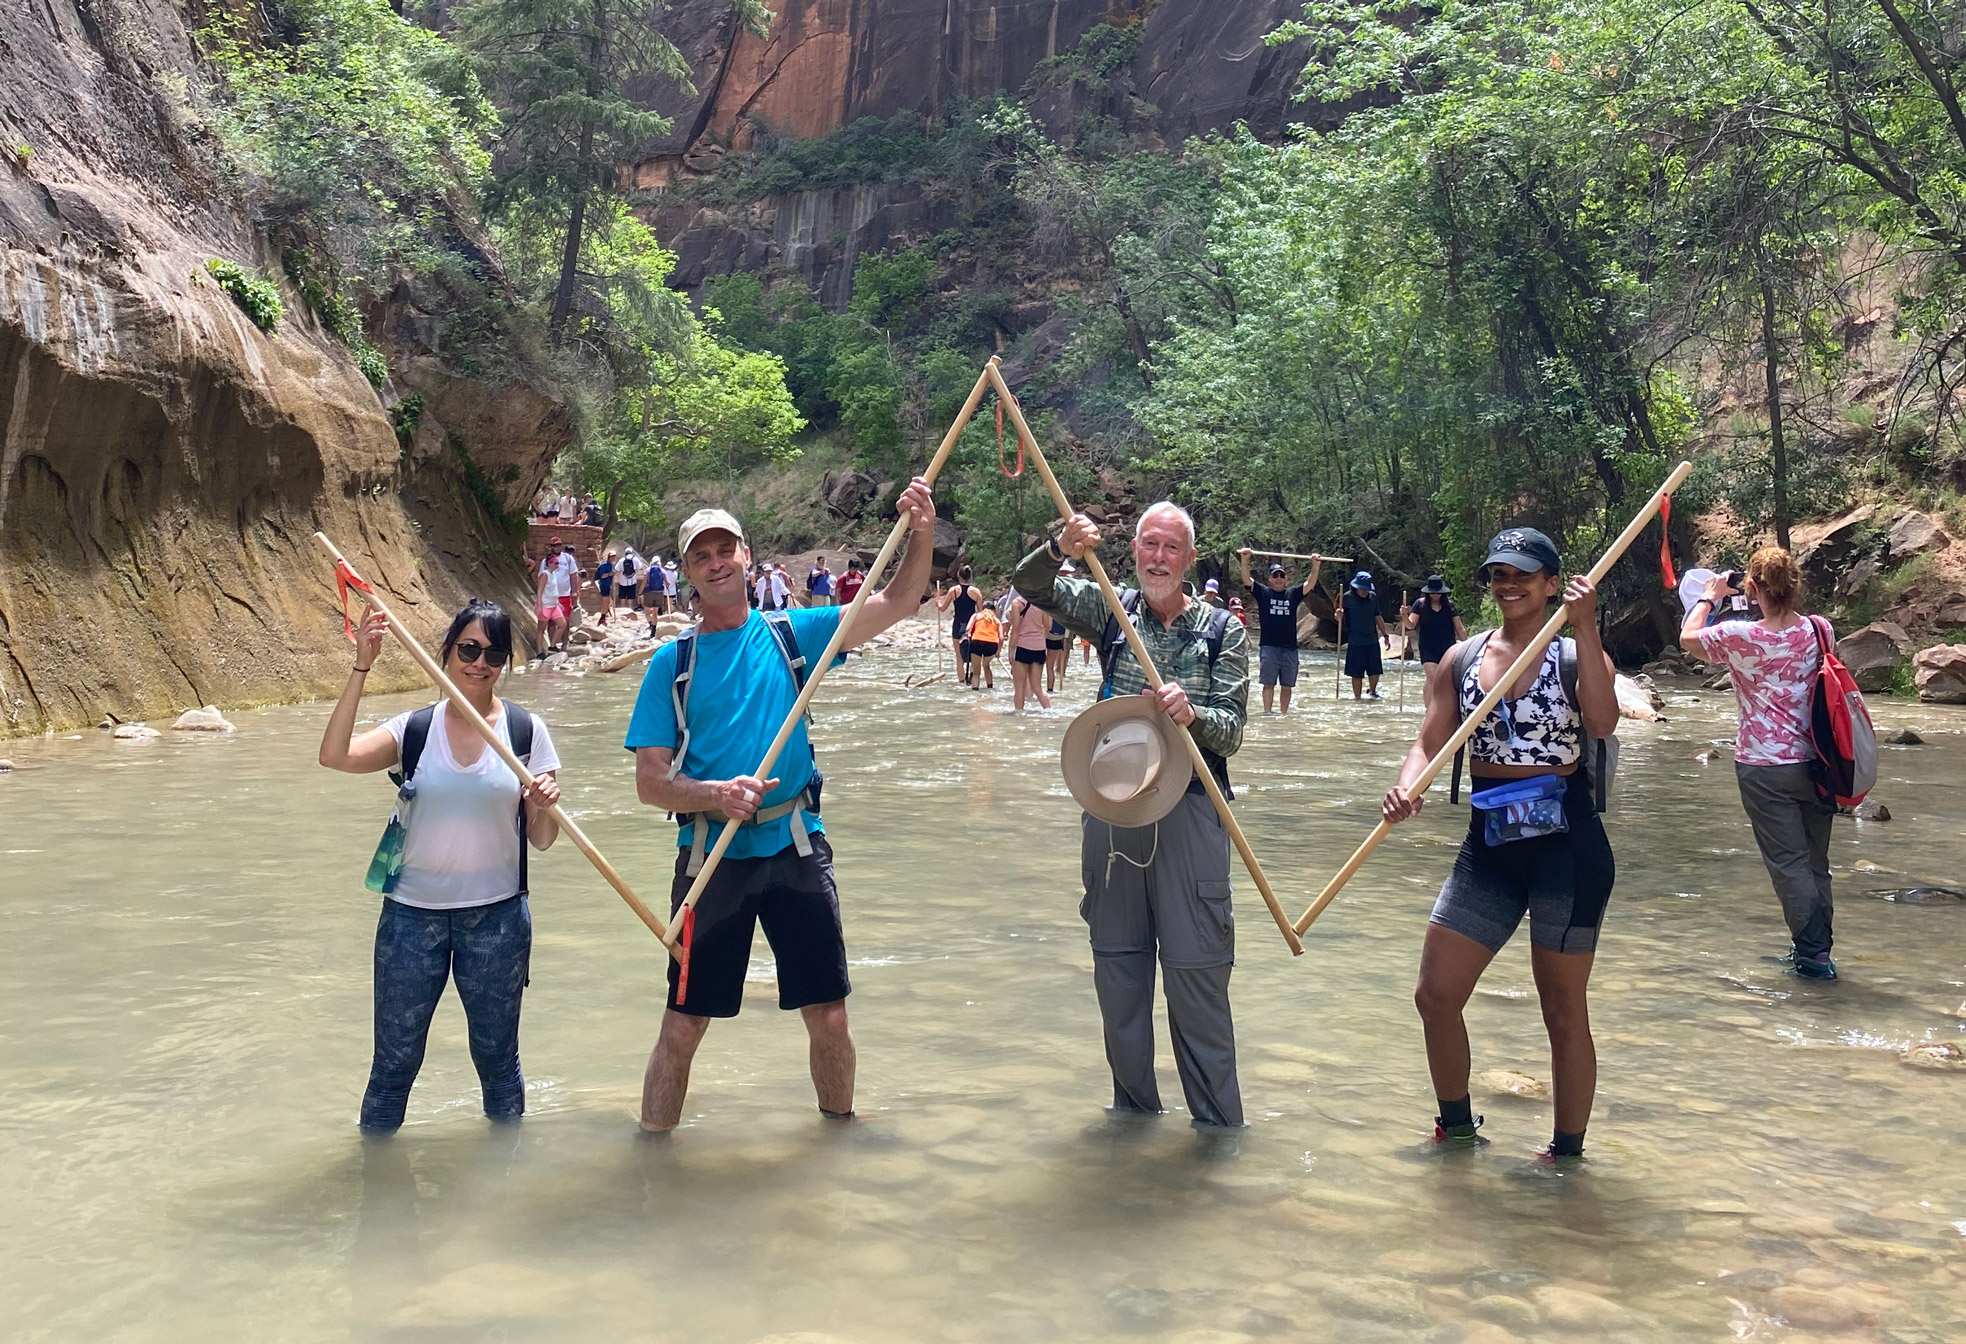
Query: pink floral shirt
(1774, 674)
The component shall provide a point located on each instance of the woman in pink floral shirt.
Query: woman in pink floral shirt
(1773, 664)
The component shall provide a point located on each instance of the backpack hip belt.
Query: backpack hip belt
(699, 824)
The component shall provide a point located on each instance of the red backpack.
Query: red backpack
(1839, 725)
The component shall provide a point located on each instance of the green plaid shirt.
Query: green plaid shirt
(1179, 651)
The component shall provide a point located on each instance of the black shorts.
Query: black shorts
(978, 649)
(1362, 660)
(1562, 881)
(1055, 645)
(605, 585)
(626, 592)
(799, 906)
(1034, 656)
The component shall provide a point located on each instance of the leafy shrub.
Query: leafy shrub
(372, 363)
(258, 299)
(408, 417)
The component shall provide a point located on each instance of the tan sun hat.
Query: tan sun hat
(706, 520)
(1125, 762)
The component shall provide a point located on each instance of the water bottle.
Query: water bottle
(387, 865)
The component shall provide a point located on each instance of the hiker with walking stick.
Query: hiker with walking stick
(451, 868)
(1438, 625)
(1276, 614)
(704, 718)
(1535, 844)
(1157, 877)
(1365, 632)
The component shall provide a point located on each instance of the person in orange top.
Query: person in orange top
(985, 638)
(1030, 626)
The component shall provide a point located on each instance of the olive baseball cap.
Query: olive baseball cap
(706, 520)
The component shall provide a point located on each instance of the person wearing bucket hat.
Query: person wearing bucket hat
(1438, 624)
(1154, 857)
(1276, 626)
(1535, 844)
(707, 711)
(1365, 631)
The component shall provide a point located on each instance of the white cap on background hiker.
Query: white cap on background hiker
(706, 520)
(1124, 761)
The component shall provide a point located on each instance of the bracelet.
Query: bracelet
(364, 670)
(1054, 550)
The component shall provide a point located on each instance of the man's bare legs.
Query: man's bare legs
(1269, 694)
(1283, 696)
(667, 1078)
(666, 1082)
(832, 1055)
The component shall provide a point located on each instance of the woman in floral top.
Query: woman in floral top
(1773, 664)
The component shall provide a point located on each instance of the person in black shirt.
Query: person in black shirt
(1365, 630)
(1439, 626)
(1276, 612)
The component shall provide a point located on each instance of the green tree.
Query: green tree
(559, 68)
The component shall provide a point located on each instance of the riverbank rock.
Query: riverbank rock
(1940, 674)
(133, 732)
(1868, 810)
(1943, 1056)
(1914, 533)
(1509, 1083)
(1903, 737)
(206, 720)
(628, 659)
(1874, 654)
(1638, 700)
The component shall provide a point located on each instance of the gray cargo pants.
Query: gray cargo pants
(1165, 885)
(1792, 828)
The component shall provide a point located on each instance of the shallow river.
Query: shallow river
(184, 1019)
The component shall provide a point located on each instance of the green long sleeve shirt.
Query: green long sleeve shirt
(1179, 650)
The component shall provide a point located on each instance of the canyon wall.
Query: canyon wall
(164, 462)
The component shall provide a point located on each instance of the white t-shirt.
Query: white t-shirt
(569, 509)
(779, 588)
(558, 570)
(669, 579)
(463, 843)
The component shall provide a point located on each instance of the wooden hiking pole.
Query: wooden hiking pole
(1292, 555)
(347, 578)
(1146, 662)
(1402, 651)
(1530, 654)
(817, 668)
(1338, 672)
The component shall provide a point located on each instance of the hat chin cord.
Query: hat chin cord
(1113, 851)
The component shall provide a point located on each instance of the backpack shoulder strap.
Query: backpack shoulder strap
(1217, 631)
(1566, 670)
(679, 696)
(788, 644)
(1466, 655)
(415, 734)
(518, 727)
(1112, 639)
(1597, 750)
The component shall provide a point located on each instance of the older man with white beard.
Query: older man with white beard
(1161, 889)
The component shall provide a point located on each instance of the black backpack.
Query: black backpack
(1113, 639)
(417, 732)
(1600, 755)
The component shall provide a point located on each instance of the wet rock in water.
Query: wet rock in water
(1509, 1083)
(1814, 1309)
(1263, 1321)
(1512, 1312)
(206, 720)
(1941, 1056)
(1575, 1309)
(1707, 755)
(1722, 682)
(1021, 1327)
(5, 765)
(1919, 895)
(1903, 737)
(135, 731)
(1638, 702)
(1868, 810)
(1372, 1300)
(1940, 674)
(1475, 1332)
(1138, 1308)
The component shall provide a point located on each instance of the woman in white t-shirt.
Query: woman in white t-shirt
(458, 907)
(1773, 664)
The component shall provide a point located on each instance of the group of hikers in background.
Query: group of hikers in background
(1156, 895)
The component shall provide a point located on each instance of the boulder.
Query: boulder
(1940, 674)
(5, 765)
(1868, 810)
(1952, 611)
(1944, 1056)
(1636, 701)
(629, 659)
(949, 539)
(1914, 533)
(1826, 549)
(1874, 653)
(135, 731)
(206, 720)
(1903, 737)
(1858, 575)
(850, 492)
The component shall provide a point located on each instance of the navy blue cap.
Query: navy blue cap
(1363, 580)
(1524, 548)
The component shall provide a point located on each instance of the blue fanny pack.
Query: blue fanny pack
(1523, 808)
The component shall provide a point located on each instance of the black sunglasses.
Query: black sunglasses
(470, 651)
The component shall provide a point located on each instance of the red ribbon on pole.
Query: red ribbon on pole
(682, 947)
(1665, 541)
(1013, 475)
(344, 579)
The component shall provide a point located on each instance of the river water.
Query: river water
(185, 1021)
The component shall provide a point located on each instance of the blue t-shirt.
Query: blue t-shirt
(740, 692)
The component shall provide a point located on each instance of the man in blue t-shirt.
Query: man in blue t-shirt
(740, 688)
(1276, 616)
